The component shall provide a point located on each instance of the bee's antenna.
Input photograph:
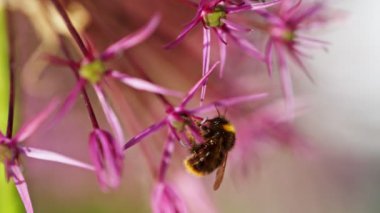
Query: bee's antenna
(217, 110)
(204, 120)
(225, 112)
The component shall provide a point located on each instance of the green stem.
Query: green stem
(9, 200)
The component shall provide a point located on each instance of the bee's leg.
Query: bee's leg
(204, 120)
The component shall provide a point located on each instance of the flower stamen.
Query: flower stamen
(214, 18)
(93, 71)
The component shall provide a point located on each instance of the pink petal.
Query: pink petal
(286, 82)
(187, 29)
(107, 157)
(268, 56)
(252, 6)
(22, 188)
(237, 27)
(30, 127)
(206, 59)
(228, 102)
(312, 40)
(307, 13)
(144, 133)
(110, 115)
(141, 84)
(69, 101)
(61, 61)
(300, 64)
(194, 191)
(288, 8)
(165, 200)
(132, 40)
(166, 157)
(181, 137)
(248, 47)
(192, 91)
(222, 52)
(54, 157)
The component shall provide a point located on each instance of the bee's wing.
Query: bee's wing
(220, 173)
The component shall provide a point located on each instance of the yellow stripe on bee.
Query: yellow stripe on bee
(229, 128)
(190, 168)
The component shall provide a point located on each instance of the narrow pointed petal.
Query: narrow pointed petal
(187, 29)
(61, 61)
(252, 6)
(248, 47)
(299, 62)
(206, 50)
(181, 137)
(192, 91)
(288, 8)
(268, 56)
(69, 101)
(166, 157)
(22, 188)
(286, 81)
(194, 191)
(46, 155)
(222, 53)
(141, 84)
(311, 40)
(173, 133)
(296, 19)
(144, 133)
(165, 200)
(228, 102)
(132, 40)
(107, 158)
(112, 119)
(206, 60)
(30, 127)
(236, 27)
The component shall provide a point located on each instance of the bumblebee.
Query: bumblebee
(219, 138)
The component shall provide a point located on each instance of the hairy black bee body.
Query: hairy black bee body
(220, 131)
(219, 138)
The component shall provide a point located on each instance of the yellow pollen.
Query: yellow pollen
(214, 18)
(5, 153)
(92, 71)
(229, 128)
(190, 169)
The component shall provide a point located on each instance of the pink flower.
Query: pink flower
(213, 14)
(105, 151)
(165, 200)
(193, 191)
(91, 69)
(270, 124)
(285, 27)
(11, 148)
(180, 122)
(107, 158)
(180, 118)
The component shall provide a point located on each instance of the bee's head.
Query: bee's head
(216, 125)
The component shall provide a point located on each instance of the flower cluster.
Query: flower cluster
(281, 22)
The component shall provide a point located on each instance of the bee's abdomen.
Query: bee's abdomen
(203, 164)
(228, 141)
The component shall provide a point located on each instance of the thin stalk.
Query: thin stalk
(9, 199)
(61, 10)
(85, 96)
(11, 105)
